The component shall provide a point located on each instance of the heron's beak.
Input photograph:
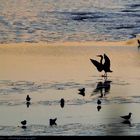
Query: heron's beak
(99, 55)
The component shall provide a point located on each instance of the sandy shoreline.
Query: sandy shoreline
(129, 42)
(56, 61)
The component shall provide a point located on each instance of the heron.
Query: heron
(102, 67)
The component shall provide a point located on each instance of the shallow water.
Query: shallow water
(70, 120)
(76, 129)
(59, 73)
(66, 20)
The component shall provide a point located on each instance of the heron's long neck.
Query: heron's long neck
(101, 61)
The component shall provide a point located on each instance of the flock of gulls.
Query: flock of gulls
(100, 67)
(62, 103)
(51, 121)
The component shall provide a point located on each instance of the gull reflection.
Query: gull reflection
(99, 107)
(28, 104)
(127, 122)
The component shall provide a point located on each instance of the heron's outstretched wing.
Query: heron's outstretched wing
(107, 61)
(98, 65)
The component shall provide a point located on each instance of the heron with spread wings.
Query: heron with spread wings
(102, 66)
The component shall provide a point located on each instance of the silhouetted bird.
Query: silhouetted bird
(28, 104)
(53, 121)
(99, 107)
(99, 102)
(82, 91)
(24, 122)
(100, 66)
(127, 117)
(62, 102)
(28, 98)
(138, 43)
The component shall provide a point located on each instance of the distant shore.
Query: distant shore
(130, 42)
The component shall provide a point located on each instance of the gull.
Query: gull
(62, 102)
(24, 122)
(53, 121)
(28, 98)
(82, 91)
(127, 117)
(98, 102)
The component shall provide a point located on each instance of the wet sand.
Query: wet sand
(49, 72)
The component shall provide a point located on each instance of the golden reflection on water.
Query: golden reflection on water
(59, 65)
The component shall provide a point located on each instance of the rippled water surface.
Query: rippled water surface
(68, 20)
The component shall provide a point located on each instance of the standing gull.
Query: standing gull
(28, 98)
(24, 122)
(53, 121)
(127, 117)
(82, 91)
(98, 102)
(62, 102)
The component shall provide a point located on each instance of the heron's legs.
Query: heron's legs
(105, 75)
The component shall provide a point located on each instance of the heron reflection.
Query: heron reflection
(103, 88)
